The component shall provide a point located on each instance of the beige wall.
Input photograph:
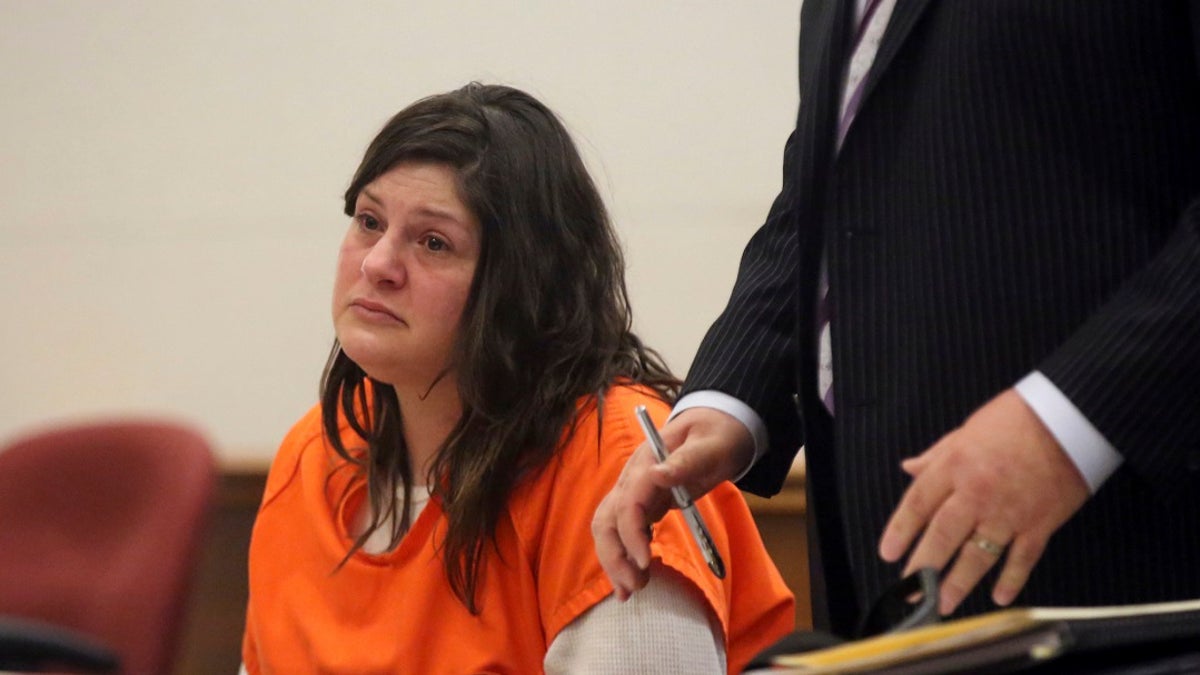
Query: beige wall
(170, 175)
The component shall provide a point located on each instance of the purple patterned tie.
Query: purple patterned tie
(870, 27)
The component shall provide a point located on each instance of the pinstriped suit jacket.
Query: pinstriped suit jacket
(1019, 191)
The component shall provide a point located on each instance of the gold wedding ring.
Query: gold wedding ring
(986, 545)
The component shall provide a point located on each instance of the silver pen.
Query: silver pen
(682, 499)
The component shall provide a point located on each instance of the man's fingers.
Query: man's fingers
(940, 542)
(705, 447)
(921, 500)
(979, 552)
(626, 577)
(1022, 556)
(619, 525)
(631, 528)
(913, 466)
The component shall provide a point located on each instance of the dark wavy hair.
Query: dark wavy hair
(546, 325)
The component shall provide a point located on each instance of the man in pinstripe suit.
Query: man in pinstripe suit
(975, 302)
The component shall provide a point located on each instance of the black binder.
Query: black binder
(1127, 639)
(900, 635)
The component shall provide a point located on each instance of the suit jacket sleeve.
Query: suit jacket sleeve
(1133, 368)
(750, 351)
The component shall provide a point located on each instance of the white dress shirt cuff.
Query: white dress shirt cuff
(1091, 453)
(717, 400)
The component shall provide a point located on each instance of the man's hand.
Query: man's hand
(707, 447)
(998, 481)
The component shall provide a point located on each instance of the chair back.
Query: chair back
(100, 529)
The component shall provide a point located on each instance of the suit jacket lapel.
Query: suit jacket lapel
(904, 17)
(824, 28)
(823, 36)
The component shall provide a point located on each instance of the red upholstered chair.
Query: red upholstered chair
(100, 526)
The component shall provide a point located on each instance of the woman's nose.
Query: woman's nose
(384, 263)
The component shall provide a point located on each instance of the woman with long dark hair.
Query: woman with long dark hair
(432, 513)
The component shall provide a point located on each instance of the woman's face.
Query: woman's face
(404, 273)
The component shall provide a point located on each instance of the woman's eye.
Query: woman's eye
(435, 243)
(368, 222)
